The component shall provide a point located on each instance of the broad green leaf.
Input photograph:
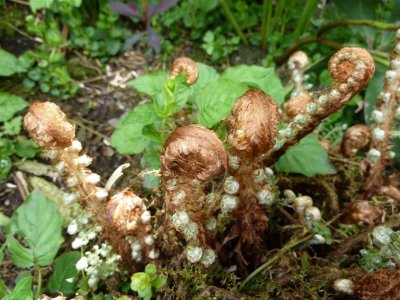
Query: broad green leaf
(259, 77)
(207, 74)
(6, 147)
(216, 99)
(23, 290)
(308, 158)
(38, 4)
(128, 136)
(4, 220)
(25, 148)
(9, 64)
(38, 223)
(149, 84)
(9, 105)
(62, 280)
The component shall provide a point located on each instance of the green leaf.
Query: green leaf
(6, 147)
(128, 137)
(259, 77)
(9, 64)
(23, 290)
(149, 84)
(62, 280)
(207, 74)
(158, 283)
(9, 105)
(151, 269)
(38, 223)
(216, 99)
(4, 220)
(5, 166)
(308, 158)
(38, 4)
(3, 289)
(25, 148)
(13, 127)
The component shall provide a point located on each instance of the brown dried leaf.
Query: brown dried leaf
(253, 123)
(193, 152)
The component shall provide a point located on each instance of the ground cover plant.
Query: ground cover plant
(199, 149)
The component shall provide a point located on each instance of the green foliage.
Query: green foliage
(22, 291)
(9, 64)
(63, 278)
(38, 4)
(145, 283)
(9, 105)
(308, 157)
(38, 224)
(384, 250)
(218, 46)
(324, 231)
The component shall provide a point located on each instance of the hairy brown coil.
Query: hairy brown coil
(48, 125)
(185, 65)
(193, 152)
(382, 284)
(351, 68)
(297, 105)
(123, 211)
(253, 123)
(355, 138)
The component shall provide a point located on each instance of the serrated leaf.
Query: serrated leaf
(216, 99)
(64, 271)
(9, 64)
(259, 77)
(9, 105)
(149, 84)
(38, 223)
(207, 74)
(22, 291)
(308, 158)
(38, 4)
(128, 137)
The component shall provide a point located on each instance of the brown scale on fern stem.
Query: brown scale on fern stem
(193, 155)
(253, 125)
(384, 116)
(350, 69)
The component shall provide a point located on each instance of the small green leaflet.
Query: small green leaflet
(149, 84)
(258, 77)
(38, 223)
(128, 138)
(23, 290)
(215, 100)
(9, 64)
(63, 278)
(9, 105)
(38, 4)
(308, 158)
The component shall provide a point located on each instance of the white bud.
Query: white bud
(101, 194)
(233, 162)
(72, 228)
(300, 120)
(300, 204)
(390, 75)
(194, 254)
(69, 198)
(153, 254)
(60, 167)
(180, 219)
(269, 172)
(312, 214)
(231, 186)
(82, 263)
(265, 197)
(178, 197)
(171, 184)
(136, 246)
(93, 178)
(381, 235)
(311, 108)
(208, 257)
(92, 282)
(83, 160)
(190, 231)
(373, 155)
(386, 97)
(211, 224)
(334, 95)
(345, 286)
(77, 243)
(72, 181)
(51, 154)
(377, 116)
(228, 203)
(145, 217)
(317, 240)
(323, 99)
(149, 240)
(378, 134)
(76, 146)
(289, 195)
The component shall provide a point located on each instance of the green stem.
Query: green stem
(233, 21)
(39, 281)
(369, 23)
(266, 24)
(277, 15)
(305, 18)
(304, 236)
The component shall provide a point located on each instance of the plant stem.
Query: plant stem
(305, 18)
(266, 24)
(303, 237)
(233, 21)
(39, 281)
(277, 15)
(370, 23)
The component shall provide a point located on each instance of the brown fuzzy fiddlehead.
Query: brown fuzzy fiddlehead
(350, 69)
(187, 66)
(355, 138)
(253, 126)
(193, 155)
